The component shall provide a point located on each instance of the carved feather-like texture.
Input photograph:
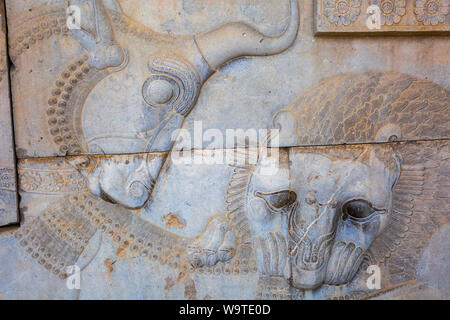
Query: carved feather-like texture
(352, 107)
(57, 237)
(244, 159)
(421, 205)
(236, 198)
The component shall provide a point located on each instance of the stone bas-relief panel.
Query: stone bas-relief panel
(381, 16)
(156, 78)
(306, 222)
(356, 107)
(148, 82)
(308, 230)
(8, 191)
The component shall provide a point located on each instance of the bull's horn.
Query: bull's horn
(237, 39)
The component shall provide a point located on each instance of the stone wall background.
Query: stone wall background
(8, 189)
(375, 86)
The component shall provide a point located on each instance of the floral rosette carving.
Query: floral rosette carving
(391, 11)
(51, 182)
(431, 12)
(30, 181)
(342, 12)
(7, 179)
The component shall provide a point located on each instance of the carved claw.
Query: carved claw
(216, 244)
(104, 52)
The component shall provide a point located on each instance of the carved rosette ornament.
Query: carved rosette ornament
(431, 12)
(381, 16)
(342, 12)
(392, 11)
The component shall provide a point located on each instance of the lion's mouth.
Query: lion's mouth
(344, 263)
(309, 254)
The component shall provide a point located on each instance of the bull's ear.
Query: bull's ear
(89, 169)
(83, 164)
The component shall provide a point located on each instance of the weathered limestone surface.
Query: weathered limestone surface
(8, 191)
(210, 225)
(381, 16)
(148, 81)
(52, 76)
(356, 177)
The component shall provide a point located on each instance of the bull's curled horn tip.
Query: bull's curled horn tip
(237, 39)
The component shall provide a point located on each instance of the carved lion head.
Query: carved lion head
(315, 220)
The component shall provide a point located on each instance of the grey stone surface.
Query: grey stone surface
(350, 201)
(8, 191)
(244, 94)
(114, 61)
(307, 230)
(381, 16)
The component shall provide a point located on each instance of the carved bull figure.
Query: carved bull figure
(322, 216)
(310, 226)
(160, 92)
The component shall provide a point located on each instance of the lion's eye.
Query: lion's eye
(276, 201)
(359, 210)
